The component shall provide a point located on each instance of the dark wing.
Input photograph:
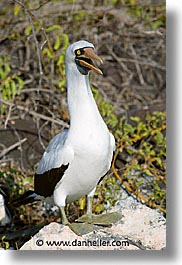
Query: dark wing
(44, 184)
(55, 160)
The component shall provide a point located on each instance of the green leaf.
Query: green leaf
(17, 9)
(20, 84)
(159, 161)
(159, 137)
(4, 71)
(132, 2)
(99, 208)
(147, 172)
(141, 127)
(66, 41)
(137, 119)
(128, 128)
(61, 85)
(13, 88)
(60, 59)
(82, 203)
(5, 243)
(139, 182)
(57, 43)
(48, 53)
(53, 27)
(7, 69)
(28, 30)
(129, 151)
(157, 24)
(7, 90)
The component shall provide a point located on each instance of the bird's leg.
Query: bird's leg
(88, 216)
(101, 219)
(64, 219)
(89, 206)
(78, 228)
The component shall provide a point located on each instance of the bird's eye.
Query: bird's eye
(78, 52)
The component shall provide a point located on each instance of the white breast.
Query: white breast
(92, 159)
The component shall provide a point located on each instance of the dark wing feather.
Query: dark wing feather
(27, 197)
(44, 184)
(107, 171)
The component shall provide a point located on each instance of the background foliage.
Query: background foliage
(130, 37)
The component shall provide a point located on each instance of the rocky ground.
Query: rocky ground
(141, 228)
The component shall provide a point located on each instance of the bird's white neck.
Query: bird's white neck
(81, 103)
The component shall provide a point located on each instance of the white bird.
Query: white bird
(4, 214)
(76, 159)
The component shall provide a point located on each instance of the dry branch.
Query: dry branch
(13, 146)
(35, 114)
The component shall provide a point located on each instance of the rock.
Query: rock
(140, 228)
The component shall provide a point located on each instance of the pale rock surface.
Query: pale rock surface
(140, 228)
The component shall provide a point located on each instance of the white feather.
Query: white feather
(57, 153)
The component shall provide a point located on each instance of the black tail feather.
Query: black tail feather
(27, 197)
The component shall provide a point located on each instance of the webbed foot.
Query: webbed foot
(102, 219)
(81, 228)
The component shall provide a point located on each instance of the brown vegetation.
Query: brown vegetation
(129, 35)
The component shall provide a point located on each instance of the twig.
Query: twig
(142, 62)
(28, 90)
(137, 65)
(10, 148)
(118, 60)
(9, 113)
(35, 114)
(41, 4)
(31, 17)
(37, 48)
(39, 128)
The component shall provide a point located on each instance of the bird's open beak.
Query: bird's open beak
(87, 59)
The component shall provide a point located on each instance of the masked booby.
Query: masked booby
(77, 158)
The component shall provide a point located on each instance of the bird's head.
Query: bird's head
(82, 54)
